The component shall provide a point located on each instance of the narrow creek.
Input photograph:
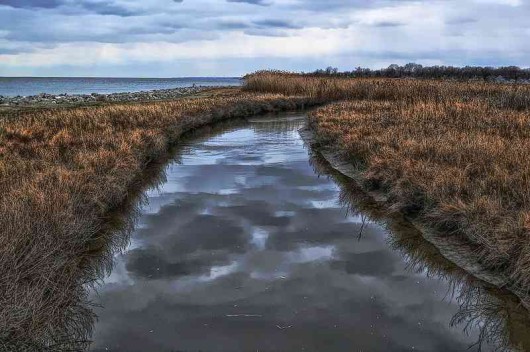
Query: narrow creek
(252, 244)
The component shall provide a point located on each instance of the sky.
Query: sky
(179, 38)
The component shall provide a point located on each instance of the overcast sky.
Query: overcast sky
(171, 38)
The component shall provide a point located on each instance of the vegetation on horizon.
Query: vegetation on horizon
(413, 70)
(451, 154)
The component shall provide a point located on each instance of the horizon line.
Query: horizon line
(122, 77)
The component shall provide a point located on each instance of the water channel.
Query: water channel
(252, 244)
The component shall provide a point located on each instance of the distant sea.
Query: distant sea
(13, 86)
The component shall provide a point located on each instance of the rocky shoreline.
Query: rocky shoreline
(65, 99)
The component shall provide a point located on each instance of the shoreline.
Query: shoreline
(46, 99)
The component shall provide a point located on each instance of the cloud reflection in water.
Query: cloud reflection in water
(245, 247)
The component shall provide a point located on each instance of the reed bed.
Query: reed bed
(328, 89)
(498, 315)
(62, 174)
(453, 155)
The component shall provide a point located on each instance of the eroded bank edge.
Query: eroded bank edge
(457, 251)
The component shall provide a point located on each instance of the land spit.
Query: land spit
(63, 172)
(450, 155)
(45, 99)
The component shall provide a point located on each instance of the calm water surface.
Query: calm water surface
(12, 86)
(246, 248)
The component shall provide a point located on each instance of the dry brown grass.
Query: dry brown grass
(496, 313)
(405, 91)
(454, 155)
(62, 173)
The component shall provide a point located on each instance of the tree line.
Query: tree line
(437, 72)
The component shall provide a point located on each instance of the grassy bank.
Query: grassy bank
(495, 312)
(453, 155)
(402, 91)
(62, 173)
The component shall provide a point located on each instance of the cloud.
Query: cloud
(461, 20)
(108, 8)
(384, 24)
(253, 2)
(235, 252)
(41, 35)
(270, 23)
(32, 3)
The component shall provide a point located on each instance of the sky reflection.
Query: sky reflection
(246, 248)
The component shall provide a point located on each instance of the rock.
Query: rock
(64, 98)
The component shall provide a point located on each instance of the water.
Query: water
(245, 247)
(25, 86)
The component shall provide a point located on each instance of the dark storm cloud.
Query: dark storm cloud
(28, 33)
(119, 22)
(233, 25)
(105, 7)
(461, 20)
(9, 51)
(253, 2)
(335, 6)
(276, 24)
(32, 3)
(95, 6)
(331, 5)
(493, 32)
(108, 8)
(388, 24)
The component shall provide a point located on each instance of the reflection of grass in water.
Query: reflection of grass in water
(453, 154)
(496, 313)
(98, 260)
(65, 176)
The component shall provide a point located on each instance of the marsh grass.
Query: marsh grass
(453, 155)
(64, 175)
(397, 91)
(494, 312)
